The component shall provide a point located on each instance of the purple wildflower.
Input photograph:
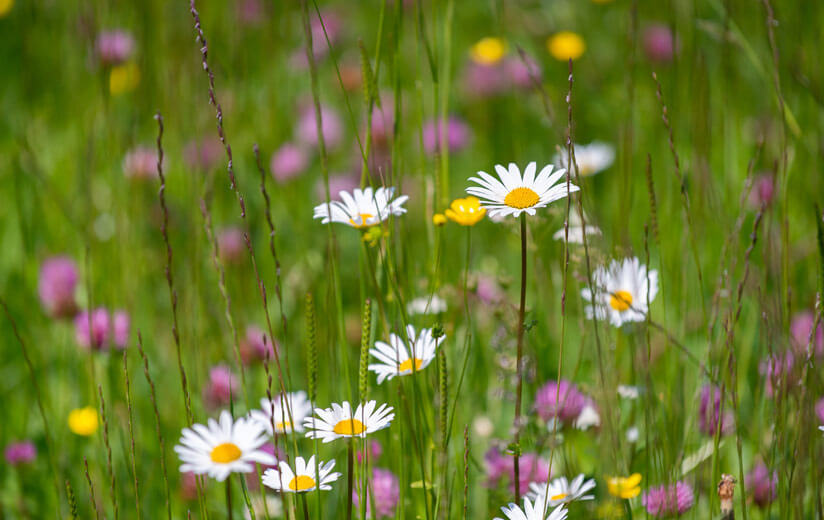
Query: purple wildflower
(254, 347)
(800, 328)
(288, 161)
(120, 329)
(203, 154)
(93, 331)
(563, 401)
(761, 484)
(230, 245)
(672, 500)
(659, 43)
(114, 47)
(330, 124)
(385, 490)
(778, 372)
(457, 135)
(709, 414)
(222, 386)
(20, 453)
(819, 410)
(532, 468)
(762, 192)
(140, 163)
(58, 279)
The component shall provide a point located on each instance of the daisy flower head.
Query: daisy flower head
(561, 491)
(303, 479)
(339, 421)
(513, 194)
(576, 229)
(591, 158)
(402, 357)
(222, 447)
(466, 212)
(362, 208)
(289, 412)
(533, 511)
(621, 291)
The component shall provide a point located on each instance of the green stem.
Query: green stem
(518, 395)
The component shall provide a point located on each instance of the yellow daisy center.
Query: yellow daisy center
(407, 365)
(620, 301)
(301, 483)
(349, 427)
(521, 198)
(283, 425)
(363, 218)
(225, 453)
(559, 496)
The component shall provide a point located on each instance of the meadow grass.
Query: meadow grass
(176, 165)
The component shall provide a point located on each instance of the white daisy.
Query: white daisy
(303, 479)
(224, 447)
(512, 194)
(339, 421)
(621, 291)
(362, 208)
(576, 230)
(628, 392)
(532, 511)
(395, 359)
(588, 418)
(591, 158)
(561, 491)
(289, 412)
(633, 434)
(426, 305)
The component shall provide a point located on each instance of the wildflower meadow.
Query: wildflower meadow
(412, 259)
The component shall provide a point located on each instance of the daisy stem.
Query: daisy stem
(229, 498)
(305, 506)
(350, 463)
(519, 355)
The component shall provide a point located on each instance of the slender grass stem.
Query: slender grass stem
(350, 463)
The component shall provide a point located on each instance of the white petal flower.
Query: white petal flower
(222, 447)
(303, 479)
(512, 194)
(362, 208)
(588, 418)
(561, 491)
(397, 358)
(628, 392)
(621, 291)
(288, 415)
(339, 421)
(532, 511)
(426, 305)
(591, 158)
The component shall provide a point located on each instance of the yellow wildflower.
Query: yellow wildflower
(488, 51)
(566, 45)
(624, 487)
(123, 78)
(438, 219)
(5, 7)
(83, 421)
(466, 212)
